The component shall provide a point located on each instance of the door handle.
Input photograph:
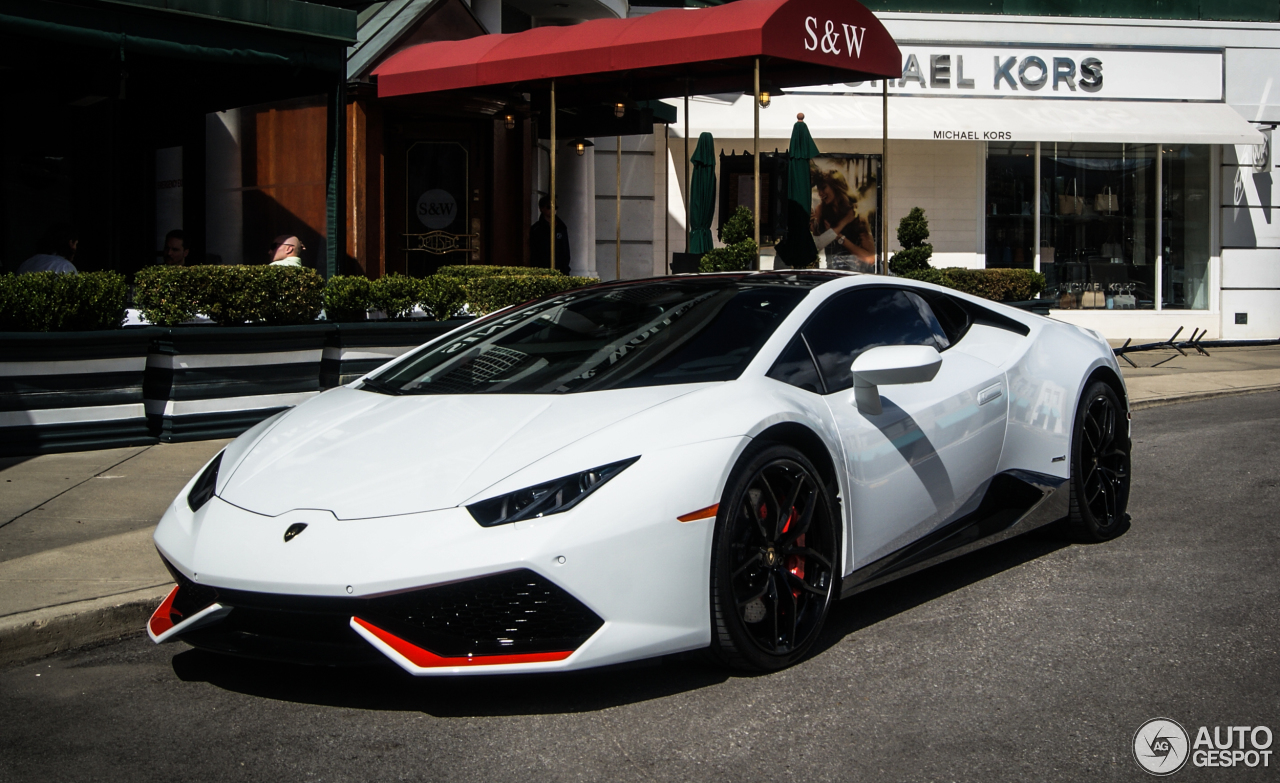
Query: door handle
(990, 394)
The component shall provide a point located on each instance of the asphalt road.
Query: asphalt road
(1033, 660)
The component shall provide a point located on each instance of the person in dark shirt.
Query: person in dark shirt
(540, 239)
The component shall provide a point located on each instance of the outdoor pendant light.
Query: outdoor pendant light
(580, 145)
(767, 93)
(619, 109)
(509, 122)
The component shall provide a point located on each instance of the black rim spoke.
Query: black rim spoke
(807, 552)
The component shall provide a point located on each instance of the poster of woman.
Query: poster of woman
(846, 206)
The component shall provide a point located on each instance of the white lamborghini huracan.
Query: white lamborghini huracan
(642, 468)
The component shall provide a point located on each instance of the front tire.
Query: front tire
(1100, 467)
(774, 561)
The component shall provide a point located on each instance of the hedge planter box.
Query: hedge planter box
(73, 391)
(355, 349)
(217, 382)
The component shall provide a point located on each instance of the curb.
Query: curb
(36, 634)
(1157, 402)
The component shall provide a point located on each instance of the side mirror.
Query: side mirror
(889, 365)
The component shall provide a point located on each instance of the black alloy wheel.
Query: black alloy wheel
(774, 561)
(1100, 472)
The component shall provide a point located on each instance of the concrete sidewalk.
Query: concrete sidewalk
(77, 565)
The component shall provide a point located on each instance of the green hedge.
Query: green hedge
(230, 295)
(1000, 285)
(447, 294)
(346, 298)
(484, 270)
(52, 302)
(486, 294)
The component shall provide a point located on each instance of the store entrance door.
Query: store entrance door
(438, 228)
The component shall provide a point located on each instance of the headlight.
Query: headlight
(544, 499)
(202, 492)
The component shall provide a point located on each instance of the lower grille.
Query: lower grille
(503, 614)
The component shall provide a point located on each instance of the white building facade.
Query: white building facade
(1127, 160)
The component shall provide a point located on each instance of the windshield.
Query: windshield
(648, 333)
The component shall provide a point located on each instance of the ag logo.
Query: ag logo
(1160, 746)
(437, 208)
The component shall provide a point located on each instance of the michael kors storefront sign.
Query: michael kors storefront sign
(1036, 71)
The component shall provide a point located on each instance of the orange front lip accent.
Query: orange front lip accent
(161, 620)
(702, 513)
(425, 659)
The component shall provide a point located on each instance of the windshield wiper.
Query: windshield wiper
(381, 386)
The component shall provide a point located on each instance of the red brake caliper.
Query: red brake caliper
(795, 563)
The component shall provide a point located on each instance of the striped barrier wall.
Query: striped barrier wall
(73, 391)
(216, 382)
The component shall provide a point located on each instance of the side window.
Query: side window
(954, 319)
(795, 366)
(866, 318)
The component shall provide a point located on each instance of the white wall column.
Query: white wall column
(224, 198)
(575, 192)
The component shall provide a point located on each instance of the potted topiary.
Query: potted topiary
(739, 251)
(913, 230)
(70, 377)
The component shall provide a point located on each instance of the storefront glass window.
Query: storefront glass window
(1186, 227)
(1010, 205)
(1097, 241)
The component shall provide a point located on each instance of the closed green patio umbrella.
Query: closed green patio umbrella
(797, 250)
(702, 195)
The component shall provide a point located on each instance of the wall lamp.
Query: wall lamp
(509, 122)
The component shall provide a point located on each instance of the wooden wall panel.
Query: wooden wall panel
(283, 170)
(366, 219)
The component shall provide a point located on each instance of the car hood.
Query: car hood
(360, 454)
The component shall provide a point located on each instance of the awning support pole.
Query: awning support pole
(884, 180)
(1159, 294)
(666, 200)
(617, 232)
(756, 138)
(687, 191)
(553, 174)
(1035, 194)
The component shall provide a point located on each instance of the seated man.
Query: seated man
(175, 248)
(57, 249)
(285, 251)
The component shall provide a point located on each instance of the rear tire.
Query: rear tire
(1100, 467)
(774, 561)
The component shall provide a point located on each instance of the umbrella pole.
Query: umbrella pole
(688, 192)
(553, 174)
(884, 180)
(756, 138)
(666, 200)
(617, 233)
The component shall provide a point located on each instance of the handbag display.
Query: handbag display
(1126, 301)
(1093, 298)
(1046, 255)
(1106, 201)
(1072, 203)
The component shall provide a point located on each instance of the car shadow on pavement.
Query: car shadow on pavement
(387, 687)
(864, 610)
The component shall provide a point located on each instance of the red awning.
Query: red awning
(800, 41)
